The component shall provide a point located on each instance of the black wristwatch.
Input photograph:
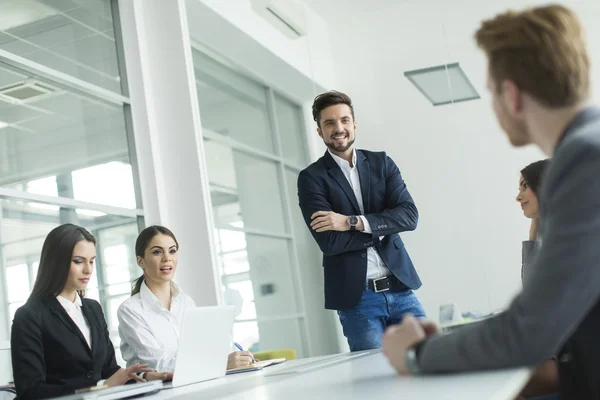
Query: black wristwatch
(352, 222)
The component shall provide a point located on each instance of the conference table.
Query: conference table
(351, 376)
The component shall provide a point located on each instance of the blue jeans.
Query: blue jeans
(365, 324)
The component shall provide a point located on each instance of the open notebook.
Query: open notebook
(256, 366)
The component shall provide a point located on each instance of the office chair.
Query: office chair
(288, 354)
(8, 393)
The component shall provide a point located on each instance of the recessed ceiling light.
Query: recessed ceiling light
(443, 84)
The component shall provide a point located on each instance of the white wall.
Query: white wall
(310, 55)
(457, 163)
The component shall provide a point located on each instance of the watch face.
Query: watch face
(353, 220)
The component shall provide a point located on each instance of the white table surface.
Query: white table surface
(366, 376)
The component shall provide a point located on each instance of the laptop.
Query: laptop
(204, 344)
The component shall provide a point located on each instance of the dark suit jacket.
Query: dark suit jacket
(49, 353)
(388, 207)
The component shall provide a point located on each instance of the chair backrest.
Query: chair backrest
(6, 375)
(288, 354)
(8, 393)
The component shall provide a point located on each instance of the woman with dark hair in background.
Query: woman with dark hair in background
(529, 186)
(59, 339)
(545, 378)
(150, 320)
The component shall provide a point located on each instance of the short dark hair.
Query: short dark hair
(55, 261)
(328, 99)
(141, 244)
(532, 174)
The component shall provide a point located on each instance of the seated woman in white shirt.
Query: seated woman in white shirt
(59, 339)
(150, 320)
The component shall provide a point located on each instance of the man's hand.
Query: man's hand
(329, 221)
(429, 327)
(399, 338)
(544, 381)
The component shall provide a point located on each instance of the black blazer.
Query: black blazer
(49, 353)
(388, 207)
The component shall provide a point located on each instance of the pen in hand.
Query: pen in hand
(242, 349)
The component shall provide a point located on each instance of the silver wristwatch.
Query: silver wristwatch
(352, 222)
(410, 360)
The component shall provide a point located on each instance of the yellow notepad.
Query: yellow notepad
(256, 366)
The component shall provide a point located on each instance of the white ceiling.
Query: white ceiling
(74, 37)
(21, 12)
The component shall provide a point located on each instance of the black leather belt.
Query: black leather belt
(384, 284)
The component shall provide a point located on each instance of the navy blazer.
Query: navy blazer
(50, 356)
(388, 207)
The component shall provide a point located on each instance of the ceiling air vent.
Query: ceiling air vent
(28, 91)
(288, 16)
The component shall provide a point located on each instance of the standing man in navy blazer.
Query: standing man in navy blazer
(355, 203)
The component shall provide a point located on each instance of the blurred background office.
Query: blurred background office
(195, 114)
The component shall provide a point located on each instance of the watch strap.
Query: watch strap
(411, 358)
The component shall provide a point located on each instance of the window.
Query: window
(64, 153)
(18, 279)
(23, 229)
(64, 145)
(291, 128)
(251, 135)
(231, 105)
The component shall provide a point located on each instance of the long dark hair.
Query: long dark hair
(55, 261)
(532, 174)
(142, 243)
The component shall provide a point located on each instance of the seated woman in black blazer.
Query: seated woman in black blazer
(59, 340)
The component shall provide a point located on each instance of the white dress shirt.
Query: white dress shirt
(76, 314)
(376, 267)
(149, 332)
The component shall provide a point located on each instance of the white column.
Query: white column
(168, 140)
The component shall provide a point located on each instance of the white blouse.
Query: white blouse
(76, 314)
(149, 332)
